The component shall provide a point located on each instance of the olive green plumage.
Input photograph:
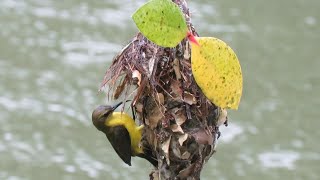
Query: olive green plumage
(122, 132)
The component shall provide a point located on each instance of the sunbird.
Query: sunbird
(122, 132)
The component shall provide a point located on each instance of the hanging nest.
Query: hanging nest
(180, 122)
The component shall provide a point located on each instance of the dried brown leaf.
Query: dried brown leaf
(165, 148)
(179, 116)
(139, 107)
(120, 88)
(182, 139)
(175, 149)
(176, 128)
(154, 175)
(189, 98)
(176, 68)
(187, 172)
(136, 76)
(160, 98)
(155, 116)
(185, 155)
(175, 88)
(151, 66)
(186, 54)
(203, 137)
(222, 116)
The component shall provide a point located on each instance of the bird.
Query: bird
(122, 132)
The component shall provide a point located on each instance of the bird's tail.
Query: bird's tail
(148, 155)
(151, 159)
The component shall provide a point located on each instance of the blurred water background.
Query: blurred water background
(53, 55)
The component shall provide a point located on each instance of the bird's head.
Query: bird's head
(101, 114)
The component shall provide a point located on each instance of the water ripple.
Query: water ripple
(280, 159)
(228, 134)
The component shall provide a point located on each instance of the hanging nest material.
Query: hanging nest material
(180, 122)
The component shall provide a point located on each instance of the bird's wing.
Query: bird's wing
(120, 140)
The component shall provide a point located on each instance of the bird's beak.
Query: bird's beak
(103, 110)
(116, 106)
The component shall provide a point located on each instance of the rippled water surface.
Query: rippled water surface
(53, 55)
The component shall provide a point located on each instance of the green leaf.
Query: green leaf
(162, 22)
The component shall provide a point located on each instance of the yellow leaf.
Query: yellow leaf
(217, 72)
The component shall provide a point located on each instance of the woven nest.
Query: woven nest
(180, 122)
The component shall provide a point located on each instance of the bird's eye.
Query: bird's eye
(107, 113)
